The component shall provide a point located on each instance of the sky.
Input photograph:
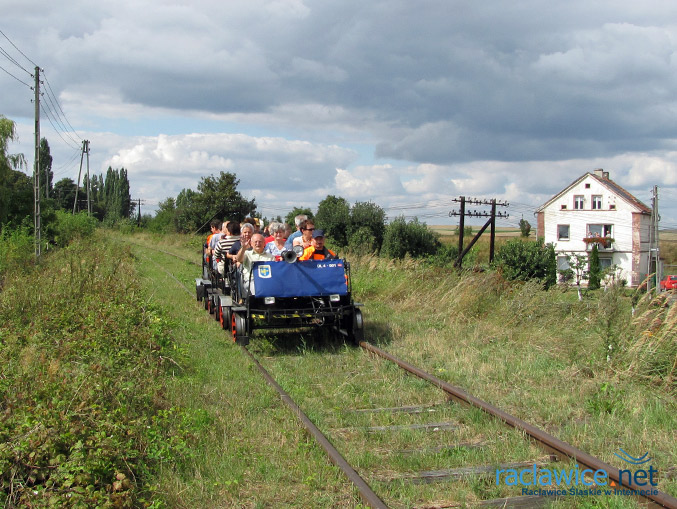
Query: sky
(406, 104)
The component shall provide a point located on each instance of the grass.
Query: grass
(254, 452)
(543, 356)
(83, 358)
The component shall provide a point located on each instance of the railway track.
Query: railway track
(554, 449)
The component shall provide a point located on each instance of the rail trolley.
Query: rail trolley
(285, 294)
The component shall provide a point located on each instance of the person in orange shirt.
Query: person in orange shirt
(317, 249)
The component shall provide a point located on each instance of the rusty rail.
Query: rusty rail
(368, 496)
(547, 441)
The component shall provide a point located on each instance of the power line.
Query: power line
(49, 89)
(15, 47)
(19, 80)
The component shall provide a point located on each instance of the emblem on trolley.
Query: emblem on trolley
(264, 271)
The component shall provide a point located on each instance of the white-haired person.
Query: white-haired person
(297, 221)
(278, 245)
(251, 251)
(306, 237)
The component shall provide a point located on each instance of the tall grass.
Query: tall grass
(601, 324)
(652, 350)
(83, 421)
(16, 251)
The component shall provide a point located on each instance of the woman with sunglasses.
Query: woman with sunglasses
(306, 238)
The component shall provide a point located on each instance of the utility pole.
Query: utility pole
(89, 184)
(140, 201)
(36, 171)
(491, 222)
(85, 150)
(654, 247)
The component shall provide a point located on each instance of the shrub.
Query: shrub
(16, 250)
(412, 238)
(523, 261)
(362, 242)
(69, 227)
(595, 270)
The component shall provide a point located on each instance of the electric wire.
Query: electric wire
(15, 47)
(18, 79)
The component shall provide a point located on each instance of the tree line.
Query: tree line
(109, 195)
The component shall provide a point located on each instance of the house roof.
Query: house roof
(609, 184)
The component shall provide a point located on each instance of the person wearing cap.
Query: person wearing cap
(317, 250)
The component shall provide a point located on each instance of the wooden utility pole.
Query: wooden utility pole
(36, 170)
(491, 222)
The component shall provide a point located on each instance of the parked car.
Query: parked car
(669, 283)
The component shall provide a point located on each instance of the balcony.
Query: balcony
(604, 244)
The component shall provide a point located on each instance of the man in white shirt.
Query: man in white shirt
(250, 252)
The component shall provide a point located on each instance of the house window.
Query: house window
(562, 232)
(562, 262)
(612, 206)
(605, 263)
(600, 230)
(578, 201)
(587, 186)
(596, 202)
(564, 207)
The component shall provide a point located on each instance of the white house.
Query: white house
(596, 210)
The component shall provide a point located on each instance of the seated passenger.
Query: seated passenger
(276, 247)
(291, 236)
(306, 238)
(224, 244)
(317, 251)
(246, 257)
(246, 232)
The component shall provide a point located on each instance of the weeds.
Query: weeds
(82, 418)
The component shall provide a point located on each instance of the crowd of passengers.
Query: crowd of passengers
(234, 244)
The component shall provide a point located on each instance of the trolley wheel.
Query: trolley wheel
(205, 301)
(239, 329)
(217, 308)
(356, 332)
(226, 317)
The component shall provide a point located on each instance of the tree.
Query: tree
(577, 270)
(216, 197)
(8, 164)
(333, 216)
(163, 221)
(525, 228)
(595, 270)
(371, 216)
(46, 174)
(64, 194)
(219, 195)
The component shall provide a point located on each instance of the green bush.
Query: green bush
(69, 227)
(412, 238)
(84, 421)
(16, 250)
(595, 271)
(362, 242)
(523, 261)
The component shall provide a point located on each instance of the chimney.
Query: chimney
(599, 172)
